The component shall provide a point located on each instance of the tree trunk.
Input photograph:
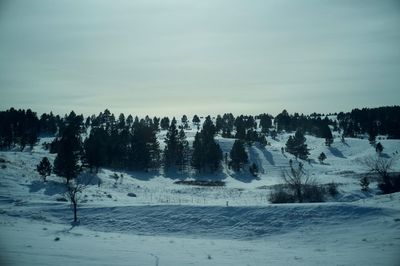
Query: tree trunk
(75, 210)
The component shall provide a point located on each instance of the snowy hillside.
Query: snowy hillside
(149, 219)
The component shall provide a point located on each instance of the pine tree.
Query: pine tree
(196, 120)
(96, 150)
(183, 151)
(253, 169)
(327, 134)
(171, 146)
(379, 148)
(364, 183)
(297, 145)
(44, 168)
(207, 154)
(238, 155)
(164, 123)
(322, 157)
(184, 121)
(197, 161)
(66, 162)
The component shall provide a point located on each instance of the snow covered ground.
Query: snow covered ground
(172, 224)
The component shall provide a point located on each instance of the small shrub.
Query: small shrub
(313, 193)
(364, 183)
(280, 195)
(61, 199)
(332, 189)
(390, 184)
(201, 183)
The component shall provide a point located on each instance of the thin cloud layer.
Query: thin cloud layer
(176, 57)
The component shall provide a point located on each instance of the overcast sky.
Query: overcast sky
(205, 57)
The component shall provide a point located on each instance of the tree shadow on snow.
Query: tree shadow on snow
(268, 156)
(50, 187)
(335, 152)
(175, 174)
(244, 176)
(142, 175)
(208, 176)
(385, 155)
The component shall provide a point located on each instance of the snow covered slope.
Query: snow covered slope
(173, 224)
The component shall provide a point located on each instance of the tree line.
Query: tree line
(131, 143)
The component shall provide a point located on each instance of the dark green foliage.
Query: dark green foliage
(96, 147)
(322, 157)
(273, 134)
(390, 184)
(219, 123)
(297, 145)
(69, 150)
(164, 124)
(379, 148)
(185, 122)
(44, 168)
(18, 127)
(171, 148)
(196, 121)
(238, 155)
(253, 169)
(327, 134)
(364, 183)
(374, 121)
(280, 194)
(176, 151)
(332, 189)
(184, 151)
(265, 122)
(144, 153)
(206, 152)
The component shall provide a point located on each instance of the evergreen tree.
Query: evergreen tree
(379, 148)
(364, 183)
(206, 152)
(265, 122)
(184, 121)
(164, 124)
(297, 145)
(219, 123)
(44, 168)
(196, 120)
(327, 134)
(96, 147)
(253, 169)
(197, 161)
(322, 157)
(240, 128)
(171, 146)
(183, 150)
(69, 148)
(238, 155)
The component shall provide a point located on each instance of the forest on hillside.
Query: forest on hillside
(131, 143)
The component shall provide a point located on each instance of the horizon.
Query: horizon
(211, 57)
(190, 116)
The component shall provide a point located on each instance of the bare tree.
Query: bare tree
(379, 165)
(297, 179)
(382, 167)
(74, 190)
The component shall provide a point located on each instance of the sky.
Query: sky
(174, 57)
